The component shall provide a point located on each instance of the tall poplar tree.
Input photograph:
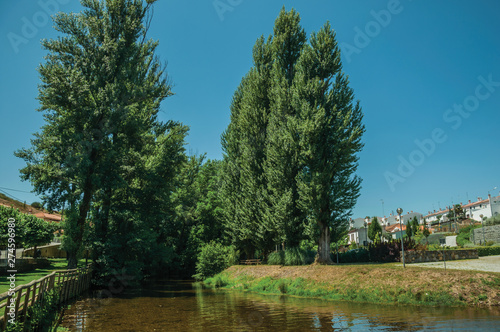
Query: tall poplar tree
(282, 164)
(330, 133)
(100, 95)
(290, 149)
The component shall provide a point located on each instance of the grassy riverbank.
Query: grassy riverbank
(367, 283)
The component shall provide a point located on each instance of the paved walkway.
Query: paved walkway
(487, 263)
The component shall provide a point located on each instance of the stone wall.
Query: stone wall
(421, 256)
(491, 233)
(52, 251)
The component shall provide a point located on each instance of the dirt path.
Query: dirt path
(487, 263)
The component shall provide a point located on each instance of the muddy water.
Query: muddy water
(183, 306)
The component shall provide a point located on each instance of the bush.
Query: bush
(488, 251)
(37, 205)
(291, 256)
(41, 316)
(276, 258)
(214, 258)
(385, 252)
(354, 256)
(296, 256)
(463, 236)
(495, 220)
(380, 252)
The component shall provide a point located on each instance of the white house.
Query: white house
(394, 219)
(432, 217)
(485, 207)
(358, 236)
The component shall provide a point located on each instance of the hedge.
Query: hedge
(488, 251)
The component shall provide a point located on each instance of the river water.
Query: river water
(184, 306)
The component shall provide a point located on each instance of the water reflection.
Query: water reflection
(182, 306)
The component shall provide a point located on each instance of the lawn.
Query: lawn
(27, 277)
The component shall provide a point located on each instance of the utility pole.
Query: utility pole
(400, 210)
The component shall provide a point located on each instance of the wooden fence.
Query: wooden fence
(68, 283)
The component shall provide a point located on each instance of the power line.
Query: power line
(9, 195)
(21, 191)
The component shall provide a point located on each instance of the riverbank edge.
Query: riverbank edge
(387, 284)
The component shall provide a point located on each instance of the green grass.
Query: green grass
(301, 287)
(27, 277)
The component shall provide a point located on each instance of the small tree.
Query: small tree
(409, 230)
(37, 232)
(426, 231)
(374, 230)
(214, 258)
(414, 225)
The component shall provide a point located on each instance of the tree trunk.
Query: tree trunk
(323, 255)
(88, 190)
(72, 260)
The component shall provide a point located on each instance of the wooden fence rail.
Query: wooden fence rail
(68, 283)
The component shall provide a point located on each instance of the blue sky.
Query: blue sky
(427, 74)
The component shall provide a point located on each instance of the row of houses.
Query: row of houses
(482, 208)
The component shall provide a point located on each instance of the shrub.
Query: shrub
(41, 316)
(354, 256)
(385, 252)
(276, 258)
(495, 220)
(291, 256)
(282, 286)
(488, 251)
(214, 258)
(296, 256)
(463, 236)
(37, 205)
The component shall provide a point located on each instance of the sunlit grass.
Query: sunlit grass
(367, 283)
(27, 277)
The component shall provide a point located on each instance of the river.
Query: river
(184, 306)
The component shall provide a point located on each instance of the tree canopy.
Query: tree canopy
(102, 152)
(290, 151)
(122, 177)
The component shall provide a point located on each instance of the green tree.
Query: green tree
(283, 165)
(37, 232)
(198, 211)
(425, 230)
(331, 128)
(409, 229)
(290, 149)
(260, 169)
(374, 230)
(415, 228)
(101, 90)
(29, 230)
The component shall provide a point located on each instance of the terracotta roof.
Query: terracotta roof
(484, 201)
(391, 229)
